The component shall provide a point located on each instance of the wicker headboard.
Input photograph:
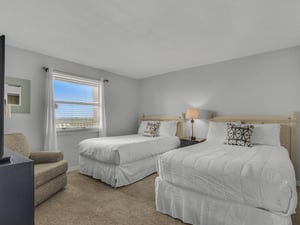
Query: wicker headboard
(287, 131)
(179, 119)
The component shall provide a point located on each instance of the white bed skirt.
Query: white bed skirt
(195, 208)
(117, 175)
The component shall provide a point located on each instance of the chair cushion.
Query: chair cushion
(18, 143)
(46, 157)
(44, 172)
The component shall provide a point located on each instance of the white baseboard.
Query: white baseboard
(298, 183)
(73, 168)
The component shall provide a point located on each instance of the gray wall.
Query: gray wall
(264, 84)
(121, 100)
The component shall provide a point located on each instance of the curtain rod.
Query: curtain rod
(46, 70)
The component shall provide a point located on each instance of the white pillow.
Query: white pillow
(266, 134)
(217, 132)
(167, 128)
(143, 126)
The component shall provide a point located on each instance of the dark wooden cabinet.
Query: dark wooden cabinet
(16, 190)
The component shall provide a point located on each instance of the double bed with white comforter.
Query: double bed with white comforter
(122, 160)
(261, 176)
(213, 183)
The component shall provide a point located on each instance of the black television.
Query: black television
(2, 70)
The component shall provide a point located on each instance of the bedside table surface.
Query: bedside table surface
(189, 139)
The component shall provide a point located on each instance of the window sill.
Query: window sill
(62, 132)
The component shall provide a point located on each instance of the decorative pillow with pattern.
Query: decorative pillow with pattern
(239, 135)
(152, 129)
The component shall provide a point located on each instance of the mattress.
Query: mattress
(125, 149)
(260, 176)
(196, 208)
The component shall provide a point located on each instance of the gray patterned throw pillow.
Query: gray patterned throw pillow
(152, 129)
(239, 135)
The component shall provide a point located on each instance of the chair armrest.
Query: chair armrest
(46, 157)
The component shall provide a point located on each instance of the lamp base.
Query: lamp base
(193, 138)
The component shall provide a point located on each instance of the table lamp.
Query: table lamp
(192, 113)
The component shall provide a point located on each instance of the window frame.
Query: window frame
(77, 79)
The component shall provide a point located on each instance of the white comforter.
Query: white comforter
(128, 148)
(260, 176)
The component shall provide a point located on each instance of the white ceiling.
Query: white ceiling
(141, 38)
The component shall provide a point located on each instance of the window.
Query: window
(77, 102)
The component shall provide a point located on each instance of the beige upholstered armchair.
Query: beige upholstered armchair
(49, 167)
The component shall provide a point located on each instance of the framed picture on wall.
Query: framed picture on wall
(17, 94)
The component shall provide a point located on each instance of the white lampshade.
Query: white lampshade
(192, 113)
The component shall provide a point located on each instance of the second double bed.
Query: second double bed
(122, 160)
(215, 183)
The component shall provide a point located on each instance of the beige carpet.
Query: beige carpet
(86, 201)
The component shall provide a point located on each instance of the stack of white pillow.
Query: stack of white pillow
(263, 134)
(166, 128)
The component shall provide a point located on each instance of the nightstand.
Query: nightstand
(187, 141)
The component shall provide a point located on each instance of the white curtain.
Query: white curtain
(102, 130)
(50, 140)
